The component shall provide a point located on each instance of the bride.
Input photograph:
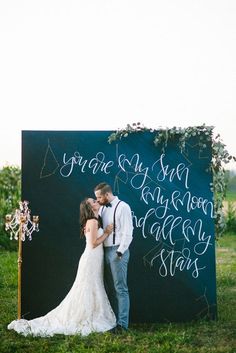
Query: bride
(86, 307)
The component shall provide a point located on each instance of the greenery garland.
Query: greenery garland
(220, 157)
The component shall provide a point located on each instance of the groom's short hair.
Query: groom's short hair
(103, 187)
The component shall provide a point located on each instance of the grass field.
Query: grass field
(231, 196)
(196, 337)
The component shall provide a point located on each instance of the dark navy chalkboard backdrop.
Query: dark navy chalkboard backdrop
(172, 265)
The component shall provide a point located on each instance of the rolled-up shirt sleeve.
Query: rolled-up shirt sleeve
(125, 227)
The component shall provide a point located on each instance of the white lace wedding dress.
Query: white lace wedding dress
(85, 308)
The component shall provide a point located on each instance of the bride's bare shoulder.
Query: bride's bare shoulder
(91, 224)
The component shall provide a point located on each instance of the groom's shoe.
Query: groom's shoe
(118, 330)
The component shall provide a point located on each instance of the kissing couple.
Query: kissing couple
(98, 300)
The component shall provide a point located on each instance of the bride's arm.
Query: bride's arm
(92, 228)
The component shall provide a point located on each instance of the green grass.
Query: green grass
(230, 196)
(195, 337)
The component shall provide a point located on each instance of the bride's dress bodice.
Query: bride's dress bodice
(85, 308)
(89, 243)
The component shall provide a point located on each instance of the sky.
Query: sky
(101, 64)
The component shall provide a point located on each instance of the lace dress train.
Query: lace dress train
(85, 308)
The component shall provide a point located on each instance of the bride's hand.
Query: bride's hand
(108, 230)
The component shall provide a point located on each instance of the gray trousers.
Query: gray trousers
(115, 275)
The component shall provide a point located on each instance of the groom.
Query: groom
(116, 250)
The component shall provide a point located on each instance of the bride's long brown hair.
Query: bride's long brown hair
(86, 213)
